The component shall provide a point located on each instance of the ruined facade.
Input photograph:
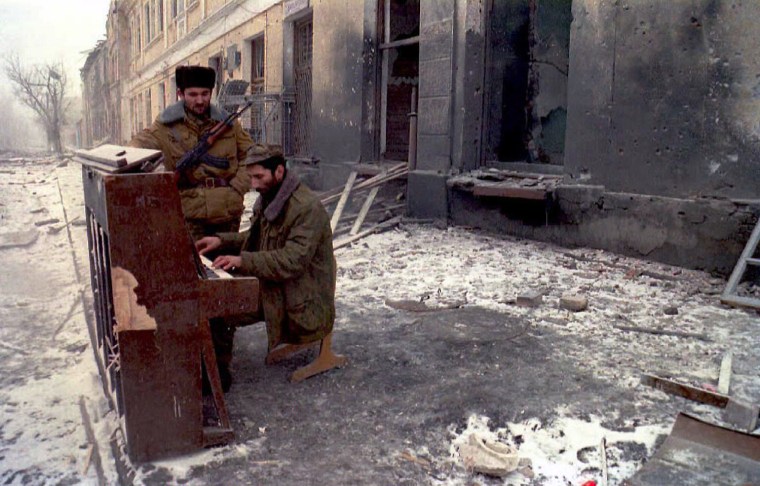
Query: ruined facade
(647, 110)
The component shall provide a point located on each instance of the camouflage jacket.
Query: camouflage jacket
(289, 248)
(174, 133)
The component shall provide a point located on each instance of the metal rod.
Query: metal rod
(413, 131)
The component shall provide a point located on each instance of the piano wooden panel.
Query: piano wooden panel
(150, 306)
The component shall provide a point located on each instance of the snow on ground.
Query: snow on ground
(48, 364)
(455, 265)
(44, 348)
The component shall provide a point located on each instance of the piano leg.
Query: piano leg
(214, 435)
(326, 360)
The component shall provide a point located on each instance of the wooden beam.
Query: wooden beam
(724, 380)
(505, 191)
(94, 456)
(343, 199)
(662, 332)
(364, 211)
(385, 224)
(682, 390)
(371, 182)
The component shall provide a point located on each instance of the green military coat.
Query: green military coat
(289, 248)
(174, 133)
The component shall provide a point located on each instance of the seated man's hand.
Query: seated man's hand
(207, 244)
(228, 262)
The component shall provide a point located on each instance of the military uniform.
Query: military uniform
(289, 248)
(211, 193)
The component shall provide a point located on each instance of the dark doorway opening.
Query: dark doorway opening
(400, 22)
(527, 53)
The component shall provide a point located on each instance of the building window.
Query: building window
(146, 21)
(161, 96)
(172, 90)
(160, 16)
(140, 124)
(148, 111)
(257, 62)
(178, 6)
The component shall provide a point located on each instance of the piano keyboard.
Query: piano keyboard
(211, 272)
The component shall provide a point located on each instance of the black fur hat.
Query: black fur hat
(195, 77)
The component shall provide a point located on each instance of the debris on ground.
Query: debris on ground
(483, 455)
(575, 303)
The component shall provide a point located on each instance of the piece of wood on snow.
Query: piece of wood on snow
(370, 183)
(365, 209)
(368, 231)
(724, 380)
(603, 457)
(343, 199)
(682, 390)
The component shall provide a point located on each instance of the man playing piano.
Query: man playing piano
(289, 248)
(212, 190)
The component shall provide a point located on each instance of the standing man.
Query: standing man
(289, 248)
(211, 191)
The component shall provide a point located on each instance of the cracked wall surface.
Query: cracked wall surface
(664, 97)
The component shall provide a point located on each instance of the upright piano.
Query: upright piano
(152, 300)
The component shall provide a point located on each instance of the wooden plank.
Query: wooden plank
(662, 332)
(395, 172)
(385, 224)
(505, 191)
(682, 390)
(741, 301)
(724, 380)
(603, 455)
(343, 199)
(365, 209)
(94, 455)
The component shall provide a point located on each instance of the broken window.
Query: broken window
(527, 52)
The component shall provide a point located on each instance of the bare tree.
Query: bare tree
(41, 87)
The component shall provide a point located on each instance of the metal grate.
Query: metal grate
(303, 61)
(107, 340)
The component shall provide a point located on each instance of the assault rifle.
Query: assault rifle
(199, 154)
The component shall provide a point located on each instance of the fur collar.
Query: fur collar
(288, 187)
(176, 112)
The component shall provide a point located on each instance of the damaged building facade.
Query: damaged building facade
(630, 126)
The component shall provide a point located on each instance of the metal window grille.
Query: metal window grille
(302, 67)
(270, 118)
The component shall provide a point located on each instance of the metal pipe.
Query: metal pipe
(412, 159)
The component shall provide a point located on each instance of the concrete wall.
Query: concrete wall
(703, 234)
(426, 190)
(337, 86)
(664, 97)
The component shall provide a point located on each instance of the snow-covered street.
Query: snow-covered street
(549, 382)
